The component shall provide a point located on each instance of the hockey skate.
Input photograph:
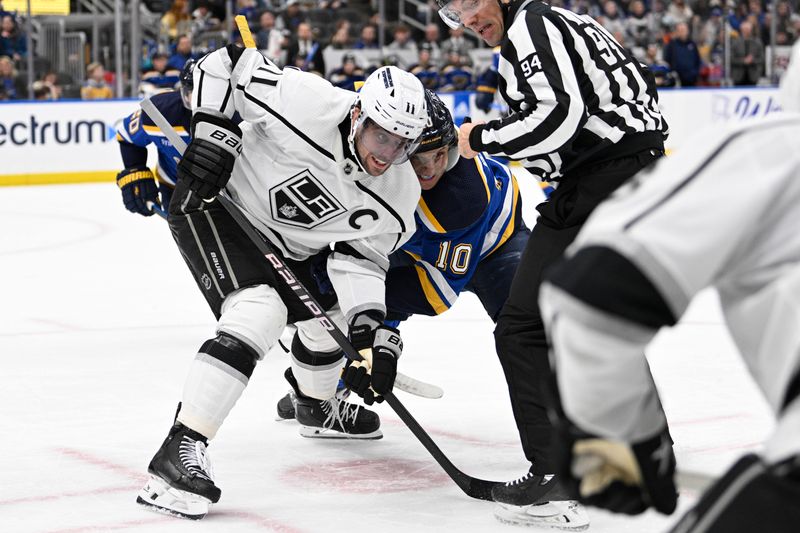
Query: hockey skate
(181, 481)
(329, 419)
(539, 501)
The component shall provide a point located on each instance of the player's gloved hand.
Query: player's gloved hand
(208, 161)
(484, 100)
(138, 187)
(381, 347)
(618, 476)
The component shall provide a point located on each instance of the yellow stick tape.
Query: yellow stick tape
(244, 29)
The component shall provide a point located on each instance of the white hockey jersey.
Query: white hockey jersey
(297, 179)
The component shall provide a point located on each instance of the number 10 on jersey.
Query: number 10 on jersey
(458, 260)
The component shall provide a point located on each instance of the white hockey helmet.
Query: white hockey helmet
(394, 101)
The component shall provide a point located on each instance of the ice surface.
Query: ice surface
(100, 320)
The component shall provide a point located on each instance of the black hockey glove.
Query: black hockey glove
(618, 476)
(208, 161)
(381, 347)
(138, 187)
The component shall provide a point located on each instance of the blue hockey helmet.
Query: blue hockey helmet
(439, 130)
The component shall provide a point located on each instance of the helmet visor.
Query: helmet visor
(455, 12)
(383, 145)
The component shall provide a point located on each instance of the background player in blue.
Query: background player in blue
(469, 236)
(137, 182)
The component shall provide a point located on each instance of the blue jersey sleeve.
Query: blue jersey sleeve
(132, 145)
(138, 130)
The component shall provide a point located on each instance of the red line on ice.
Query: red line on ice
(455, 436)
(94, 460)
(119, 525)
(256, 519)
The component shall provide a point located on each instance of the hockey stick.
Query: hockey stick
(473, 487)
(157, 209)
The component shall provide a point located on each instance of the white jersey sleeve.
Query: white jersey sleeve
(220, 73)
(357, 270)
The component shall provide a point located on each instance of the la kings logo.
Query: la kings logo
(303, 201)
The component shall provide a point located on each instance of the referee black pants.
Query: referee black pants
(519, 333)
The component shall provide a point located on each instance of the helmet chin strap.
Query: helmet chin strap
(351, 139)
(452, 153)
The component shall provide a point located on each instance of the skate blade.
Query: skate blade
(158, 496)
(280, 418)
(321, 433)
(564, 515)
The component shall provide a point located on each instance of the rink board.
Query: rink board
(74, 141)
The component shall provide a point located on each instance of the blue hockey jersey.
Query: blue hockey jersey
(138, 130)
(469, 214)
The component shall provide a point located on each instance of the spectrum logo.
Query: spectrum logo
(33, 132)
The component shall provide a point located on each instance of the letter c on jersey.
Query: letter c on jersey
(361, 213)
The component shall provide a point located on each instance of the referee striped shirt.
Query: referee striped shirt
(578, 97)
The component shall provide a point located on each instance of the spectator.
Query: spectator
(678, 11)
(747, 56)
(432, 38)
(347, 74)
(268, 37)
(738, 15)
(158, 65)
(248, 9)
(177, 20)
(42, 91)
(305, 52)
(787, 22)
(638, 28)
(682, 56)
(710, 34)
(51, 81)
(612, 19)
(661, 70)
(402, 39)
(291, 17)
(712, 73)
(456, 75)
(159, 77)
(457, 43)
(425, 69)
(183, 53)
(341, 35)
(11, 86)
(757, 16)
(12, 41)
(95, 86)
(658, 20)
(369, 38)
(203, 20)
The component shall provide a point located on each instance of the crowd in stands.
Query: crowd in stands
(681, 40)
